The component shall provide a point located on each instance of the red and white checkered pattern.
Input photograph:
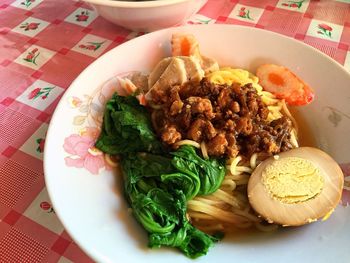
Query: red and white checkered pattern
(44, 44)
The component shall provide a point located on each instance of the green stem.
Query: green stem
(38, 94)
(48, 88)
(248, 16)
(299, 3)
(34, 59)
(204, 21)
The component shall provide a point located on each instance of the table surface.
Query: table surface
(45, 44)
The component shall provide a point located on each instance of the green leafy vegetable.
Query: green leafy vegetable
(211, 172)
(188, 183)
(156, 211)
(127, 128)
(157, 192)
(157, 187)
(141, 170)
(191, 241)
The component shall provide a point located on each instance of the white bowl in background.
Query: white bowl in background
(147, 15)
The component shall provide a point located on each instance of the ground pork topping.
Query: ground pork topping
(228, 118)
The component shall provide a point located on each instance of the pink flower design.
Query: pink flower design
(294, 4)
(32, 56)
(244, 13)
(75, 102)
(83, 16)
(325, 29)
(30, 26)
(345, 200)
(33, 93)
(46, 206)
(40, 92)
(92, 45)
(41, 144)
(82, 150)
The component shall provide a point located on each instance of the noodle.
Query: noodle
(293, 139)
(233, 165)
(268, 98)
(275, 109)
(244, 169)
(209, 201)
(289, 115)
(188, 142)
(217, 213)
(247, 215)
(227, 198)
(204, 150)
(252, 160)
(230, 201)
(199, 215)
(229, 183)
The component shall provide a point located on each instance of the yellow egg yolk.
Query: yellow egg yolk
(292, 180)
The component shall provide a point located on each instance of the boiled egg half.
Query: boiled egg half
(296, 187)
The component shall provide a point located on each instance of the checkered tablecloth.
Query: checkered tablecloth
(45, 44)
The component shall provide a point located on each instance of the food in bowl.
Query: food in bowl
(147, 16)
(200, 146)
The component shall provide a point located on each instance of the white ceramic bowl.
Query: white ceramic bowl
(92, 207)
(147, 15)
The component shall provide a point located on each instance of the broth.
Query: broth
(305, 135)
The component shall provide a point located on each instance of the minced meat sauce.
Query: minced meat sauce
(230, 119)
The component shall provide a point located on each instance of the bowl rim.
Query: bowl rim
(138, 4)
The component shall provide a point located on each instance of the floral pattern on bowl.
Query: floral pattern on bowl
(80, 146)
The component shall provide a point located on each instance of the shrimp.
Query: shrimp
(187, 45)
(284, 84)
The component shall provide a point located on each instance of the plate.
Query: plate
(87, 194)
